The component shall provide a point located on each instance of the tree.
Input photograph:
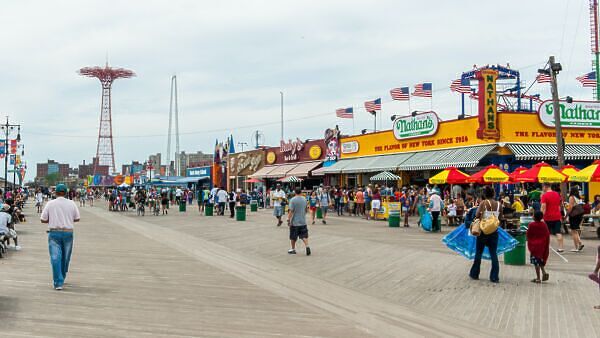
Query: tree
(52, 179)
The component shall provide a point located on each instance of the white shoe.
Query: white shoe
(18, 248)
(58, 288)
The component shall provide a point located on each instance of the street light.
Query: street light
(7, 129)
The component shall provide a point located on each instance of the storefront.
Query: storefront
(242, 165)
(293, 158)
(420, 145)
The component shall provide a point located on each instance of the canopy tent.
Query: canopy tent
(542, 173)
(590, 173)
(450, 175)
(290, 179)
(385, 176)
(490, 174)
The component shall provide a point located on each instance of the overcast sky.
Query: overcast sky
(232, 58)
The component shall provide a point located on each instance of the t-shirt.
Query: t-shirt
(178, 193)
(313, 200)
(278, 196)
(298, 209)
(436, 203)
(360, 197)
(5, 220)
(518, 206)
(39, 197)
(60, 213)
(222, 196)
(324, 199)
(552, 200)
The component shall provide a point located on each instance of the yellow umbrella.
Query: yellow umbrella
(490, 174)
(450, 175)
(542, 173)
(590, 173)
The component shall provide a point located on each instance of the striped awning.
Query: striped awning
(281, 170)
(366, 164)
(385, 176)
(467, 157)
(290, 179)
(538, 152)
(262, 172)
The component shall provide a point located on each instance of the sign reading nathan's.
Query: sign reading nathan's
(425, 124)
(577, 114)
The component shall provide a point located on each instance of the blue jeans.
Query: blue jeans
(491, 241)
(60, 245)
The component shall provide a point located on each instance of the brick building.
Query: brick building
(51, 167)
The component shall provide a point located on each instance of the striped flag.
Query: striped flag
(345, 113)
(543, 78)
(400, 94)
(423, 90)
(373, 105)
(588, 80)
(461, 86)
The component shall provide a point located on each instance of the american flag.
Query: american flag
(543, 78)
(345, 113)
(423, 90)
(373, 105)
(400, 94)
(588, 80)
(461, 86)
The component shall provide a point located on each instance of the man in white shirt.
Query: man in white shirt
(222, 200)
(435, 207)
(178, 194)
(60, 214)
(278, 197)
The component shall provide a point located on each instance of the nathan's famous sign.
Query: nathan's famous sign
(577, 114)
(488, 107)
(419, 125)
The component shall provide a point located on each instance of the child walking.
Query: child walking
(538, 243)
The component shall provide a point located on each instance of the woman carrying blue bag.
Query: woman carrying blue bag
(464, 243)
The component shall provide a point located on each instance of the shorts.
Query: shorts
(324, 209)
(376, 204)
(536, 261)
(404, 209)
(278, 211)
(164, 201)
(368, 205)
(312, 208)
(554, 227)
(575, 222)
(298, 232)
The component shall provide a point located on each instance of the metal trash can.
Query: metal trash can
(394, 219)
(517, 256)
(319, 213)
(240, 213)
(253, 205)
(182, 206)
(208, 209)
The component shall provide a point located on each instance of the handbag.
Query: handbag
(490, 224)
(476, 227)
(576, 211)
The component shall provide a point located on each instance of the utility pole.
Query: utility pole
(242, 144)
(555, 68)
(7, 128)
(281, 115)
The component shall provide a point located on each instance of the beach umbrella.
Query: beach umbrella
(253, 180)
(450, 175)
(490, 174)
(385, 176)
(590, 173)
(516, 174)
(542, 173)
(569, 170)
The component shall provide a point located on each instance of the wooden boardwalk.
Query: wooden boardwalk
(189, 275)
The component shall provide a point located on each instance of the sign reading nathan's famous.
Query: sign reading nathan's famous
(420, 125)
(577, 114)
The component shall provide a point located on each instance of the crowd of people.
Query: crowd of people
(11, 206)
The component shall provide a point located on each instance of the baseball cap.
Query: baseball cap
(61, 187)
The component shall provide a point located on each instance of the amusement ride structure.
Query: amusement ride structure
(105, 152)
(594, 45)
(173, 107)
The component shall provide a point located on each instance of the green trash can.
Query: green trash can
(394, 219)
(208, 209)
(319, 213)
(240, 213)
(524, 222)
(517, 255)
(253, 205)
(182, 206)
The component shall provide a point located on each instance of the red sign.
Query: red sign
(488, 105)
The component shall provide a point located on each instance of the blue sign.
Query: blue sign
(198, 172)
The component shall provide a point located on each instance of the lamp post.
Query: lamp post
(281, 115)
(7, 129)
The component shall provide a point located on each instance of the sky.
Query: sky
(233, 58)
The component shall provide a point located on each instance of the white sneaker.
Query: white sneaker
(18, 248)
(58, 288)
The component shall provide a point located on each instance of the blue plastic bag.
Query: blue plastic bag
(426, 221)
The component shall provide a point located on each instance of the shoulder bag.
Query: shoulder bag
(476, 227)
(490, 224)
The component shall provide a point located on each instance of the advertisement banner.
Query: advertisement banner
(488, 105)
(13, 146)
(2, 147)
(12, 159)
(577, 114)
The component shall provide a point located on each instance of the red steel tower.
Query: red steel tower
(105, 152)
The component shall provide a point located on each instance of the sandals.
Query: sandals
(537, 281)
(597, 307)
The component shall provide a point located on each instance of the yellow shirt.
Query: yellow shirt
(517, 206)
